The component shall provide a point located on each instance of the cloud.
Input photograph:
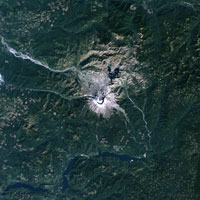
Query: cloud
(1, 79)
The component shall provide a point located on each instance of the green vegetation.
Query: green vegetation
(44, 124)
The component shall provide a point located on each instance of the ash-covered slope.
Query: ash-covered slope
(67, 132)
